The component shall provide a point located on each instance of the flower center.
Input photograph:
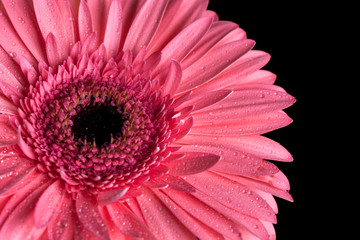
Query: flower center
(98, 123)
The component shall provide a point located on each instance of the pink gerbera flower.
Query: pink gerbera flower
(128, 119)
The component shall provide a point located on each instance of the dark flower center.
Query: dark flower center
(97, 122)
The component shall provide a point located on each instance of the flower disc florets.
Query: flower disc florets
(97, 129)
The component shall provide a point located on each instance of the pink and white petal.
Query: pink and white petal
(48, 204)
(85, 22)
(89, 215)
(232, 160)
(8, 135)
(252, 224)
(12, 43)
(213, 63)
(178, 15)
(246, 102)
(232, 195)
(204, 213)
(113, 29)
(62, 226)
(127, 222)
(216, 32)
(53, 51)
(145, 25)
(180, 46)
(161, 222)
(20, 223)
(198, 228)
(192, 163)
(173, 78)
(99, 11)
(110, 196)
(24, 21)
(11, 68)
(50, 21)
(258, 124)
(251, 62)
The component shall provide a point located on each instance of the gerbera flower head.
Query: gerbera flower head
(135, 119)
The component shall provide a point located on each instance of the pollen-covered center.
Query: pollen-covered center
(99, 123)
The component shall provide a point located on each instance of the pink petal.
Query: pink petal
(233, 160)
(53, 52)
(12, 161)
(232, 195)
(27, 150)
(89, 215)
(198, 228)
(204, 100)
(29, 71)
(246, 102)
(145, 25)
(12, 178)
(184, 129)
(205, 214)
(12, 42)
(67, 10)
(99, 12)
(7, 106)
(11, 68)
(24, 21)
(173, 78)
(48, 204)
(84, 21)
(178, 183)
(113, 29)
(181, 45)
(127, 222)
(7, 132)
(216, 32)
(178, 15)
(161, 222)
(213, 63)
(278, 180)
(62, 226)
(254, 183)
(258, 124)
(252, 224)
(257, 77)
(261, 147)
(248, 64)
(50, 21)
(192, 163)
(20, 223)
(107, 197)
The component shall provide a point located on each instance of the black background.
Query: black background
(287, 32)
